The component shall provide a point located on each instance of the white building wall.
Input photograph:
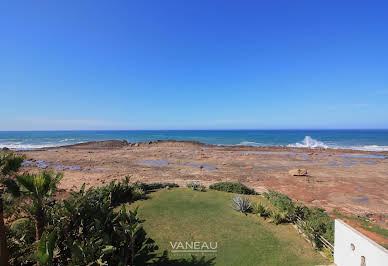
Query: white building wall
(344, 255)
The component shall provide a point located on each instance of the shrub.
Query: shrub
(153, 186)
(138, 193)
(277, 216)
(233, 187)
(84, 229)
(328, 253)
(88, 231)
(241, 203)
(259, 209)
(196, 186)
(283, 204)
(318, 223)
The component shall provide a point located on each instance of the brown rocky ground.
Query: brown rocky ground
(356, 185)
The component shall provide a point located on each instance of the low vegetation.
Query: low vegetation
(233, 187)
(242, 239)
(241, 203)
(196, 186)
(279, 208)
(83, 229)
(96, 226)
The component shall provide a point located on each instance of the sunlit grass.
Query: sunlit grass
(186, 215)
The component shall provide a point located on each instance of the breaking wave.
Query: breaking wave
(16, 146)
(368, 148)
(250, 143)
(66, 140)
(309, 142)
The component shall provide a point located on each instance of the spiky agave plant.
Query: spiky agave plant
(241, 203)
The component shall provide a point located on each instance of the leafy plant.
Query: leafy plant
(283, 205)
(9, 165)
(328, 254)
(259, 209)
(38, 189)
(196, 186)
(233, 187)
(277, 217)
(241, 203)
(154, 186)
(138, 193)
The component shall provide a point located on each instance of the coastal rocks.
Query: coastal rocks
(298, 172)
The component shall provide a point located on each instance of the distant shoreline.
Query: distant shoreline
(361, 140)
(112, 144)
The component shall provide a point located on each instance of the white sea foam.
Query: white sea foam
(369, 148)
(249, 143)
(65, 140)
(309, 142)
(17, 146)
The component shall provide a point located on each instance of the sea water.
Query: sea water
(368, 140)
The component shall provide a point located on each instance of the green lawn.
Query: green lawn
(185, 215)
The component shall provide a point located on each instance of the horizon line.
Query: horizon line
(225, 129)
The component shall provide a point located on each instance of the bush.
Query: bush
(233, 187)
(318, 223)
(260, 209)
(241, 203)
(153, 186)
(283, 205)
(277, 216)
(88, 231)
(84, 229)
(138, 193)
(196, 186)
(328, 253)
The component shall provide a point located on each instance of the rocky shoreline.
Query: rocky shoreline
(355, 182)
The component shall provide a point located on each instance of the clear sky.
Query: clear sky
(198, 64)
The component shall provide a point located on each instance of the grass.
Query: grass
(186, 215)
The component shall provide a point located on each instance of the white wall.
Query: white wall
(344, 236)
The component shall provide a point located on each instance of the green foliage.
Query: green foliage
(241, 203)
(154, 186)
(38, 186)
(233, 187)
(328, 254)
(284, 207)
(196, 186)
(138, 193)
(277, 217)
(317, 223)
(21, 238)
(84, 229)
(259, 209)
(9, 162)
(91, 232)
(46, 246)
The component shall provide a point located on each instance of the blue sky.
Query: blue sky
(193, 64)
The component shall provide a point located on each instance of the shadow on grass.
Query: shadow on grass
(193, 261)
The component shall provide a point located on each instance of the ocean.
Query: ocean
(367, 140)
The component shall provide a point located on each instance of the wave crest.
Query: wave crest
(309, 142)
(249, 143)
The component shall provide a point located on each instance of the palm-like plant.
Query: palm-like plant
(38, 188)
(9, 164)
